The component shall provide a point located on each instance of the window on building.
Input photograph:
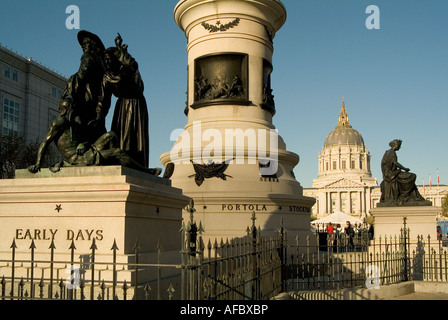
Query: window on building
(343, 164)
(334, 165)
(53, 92)
(352, 164)
(7, 71)
(11, 112)
(326, 166)
(15, 75)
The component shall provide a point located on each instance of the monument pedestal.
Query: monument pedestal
(97, 209)
(224, 156)
(421, 221)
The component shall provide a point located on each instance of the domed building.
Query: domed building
(344, 182)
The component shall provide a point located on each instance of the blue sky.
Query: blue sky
(394, 80)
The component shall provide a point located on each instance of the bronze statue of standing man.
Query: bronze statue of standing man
(84, 87)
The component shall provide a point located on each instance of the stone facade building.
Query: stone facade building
(29, 95)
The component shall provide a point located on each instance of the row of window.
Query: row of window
(11, 73)
(56, 93)
(11, 113)
(343, 165)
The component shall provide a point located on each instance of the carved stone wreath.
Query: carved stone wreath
(220, 27)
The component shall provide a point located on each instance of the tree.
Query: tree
(16, 154)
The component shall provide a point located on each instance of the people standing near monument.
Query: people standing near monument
(348, 230)
(330, 234)
(329, 229)
(371, 232)
(439, 232)
(339, 229)
(130, 120)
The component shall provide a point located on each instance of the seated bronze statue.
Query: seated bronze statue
(398, 186)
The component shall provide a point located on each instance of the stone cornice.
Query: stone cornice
(344, 184)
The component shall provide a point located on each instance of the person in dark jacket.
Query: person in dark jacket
(350, 234)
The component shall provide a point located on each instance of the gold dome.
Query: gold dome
(343, 134)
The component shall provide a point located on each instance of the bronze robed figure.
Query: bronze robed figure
(130, 120)
(398, 186)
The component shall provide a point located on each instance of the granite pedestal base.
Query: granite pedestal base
(81, 213)
(421, 220)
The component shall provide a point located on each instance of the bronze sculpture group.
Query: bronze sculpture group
(80, 132)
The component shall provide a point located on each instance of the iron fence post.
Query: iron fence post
(283, 255)
(201, 246)
(192, 233)
(13, 247)
(93, 247)
(52, 247)
(114, 269)
(72, 248)
(406, 278)
(183, 254)
(255, 267)
(136, 250)
(32, 247)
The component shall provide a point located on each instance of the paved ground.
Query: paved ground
(422, 296)
(410, 290)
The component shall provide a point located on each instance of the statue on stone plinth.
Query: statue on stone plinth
(80, 133)
(398, 186)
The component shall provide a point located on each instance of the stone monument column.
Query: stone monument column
(230, 159)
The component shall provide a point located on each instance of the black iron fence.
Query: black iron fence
(246, 268)
(331, 262)
(83, 278)
(343, 262)
(253, 267)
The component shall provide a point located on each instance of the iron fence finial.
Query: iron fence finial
(114, 246)
(13, 245)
